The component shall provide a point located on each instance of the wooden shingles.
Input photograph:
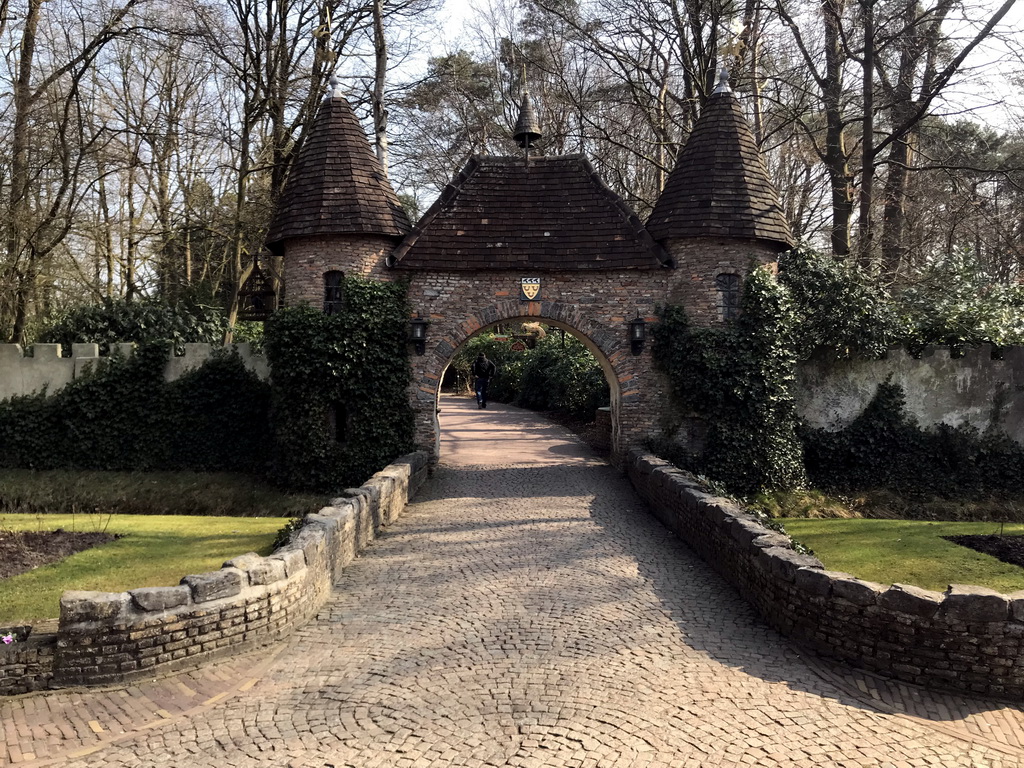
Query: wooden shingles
(337, 185)
(720, 186)
(551, 214)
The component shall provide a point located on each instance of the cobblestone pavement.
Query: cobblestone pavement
(527, 611)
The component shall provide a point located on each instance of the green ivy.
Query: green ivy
(739, 378)
(339, 403)
(838, 310)
(884, 448)
(122, 415)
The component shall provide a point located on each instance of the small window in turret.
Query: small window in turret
(728, 286)
(333, 292)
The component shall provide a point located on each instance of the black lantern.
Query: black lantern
(637, 334)
(256, 297)
(418, 334)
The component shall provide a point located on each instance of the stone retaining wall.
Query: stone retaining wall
(105, 638)
(968, 639)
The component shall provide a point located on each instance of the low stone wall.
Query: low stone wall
(968, 639)
(105, 638)
(22, 374)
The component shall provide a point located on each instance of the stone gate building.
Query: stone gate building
(506, 225)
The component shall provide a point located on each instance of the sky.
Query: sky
(991, 94)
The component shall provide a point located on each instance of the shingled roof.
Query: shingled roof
(551, 214)
(720, 186)
(337, 185)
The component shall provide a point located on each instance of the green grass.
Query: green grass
(156, 551)
(907, 552)
(25, 491)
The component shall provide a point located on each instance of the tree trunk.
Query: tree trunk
(836, 158)
(380, 114)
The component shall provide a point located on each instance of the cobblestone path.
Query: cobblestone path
(527, 611)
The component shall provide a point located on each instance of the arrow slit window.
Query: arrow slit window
(728, 287)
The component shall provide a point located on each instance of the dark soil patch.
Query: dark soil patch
(21, 551)
(1009, 549)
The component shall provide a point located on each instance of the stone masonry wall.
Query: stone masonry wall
(596, 305)
(310, 258)
(22, 374)
(974, 389)
(106, 638)
(967, 639)
(699, 261)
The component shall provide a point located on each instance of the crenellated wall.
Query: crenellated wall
(104, 638)
(967, 639)
(44, 368)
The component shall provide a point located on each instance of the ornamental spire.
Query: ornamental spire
(527, 130)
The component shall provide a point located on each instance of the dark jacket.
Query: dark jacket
(484, 369)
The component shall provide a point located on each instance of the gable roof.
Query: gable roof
(552, 213)
(720, 186)
(337, 185)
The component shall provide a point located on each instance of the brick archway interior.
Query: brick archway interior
(430, 368)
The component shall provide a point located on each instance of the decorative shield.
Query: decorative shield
(529, 289)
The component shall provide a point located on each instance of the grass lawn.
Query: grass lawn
(156, 551)
(907, 552)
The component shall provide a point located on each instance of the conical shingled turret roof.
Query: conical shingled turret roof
(720, 186)
(337, 185)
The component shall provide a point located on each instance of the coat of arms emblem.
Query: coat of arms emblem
(529, 288)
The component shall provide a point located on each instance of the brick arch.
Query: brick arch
(607, 340)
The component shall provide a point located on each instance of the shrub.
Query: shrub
(142, 322)
(740, 379)
(339, 406)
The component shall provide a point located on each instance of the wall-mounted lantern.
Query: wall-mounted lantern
(637, 334)
(418, 334)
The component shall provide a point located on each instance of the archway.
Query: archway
(601, 361)
(629, 377)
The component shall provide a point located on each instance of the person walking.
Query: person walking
(483, 371)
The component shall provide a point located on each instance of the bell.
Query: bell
(527, 129)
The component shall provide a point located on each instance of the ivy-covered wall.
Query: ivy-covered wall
(334, 411)
(339, 407)
(123, 415)
(738, 379)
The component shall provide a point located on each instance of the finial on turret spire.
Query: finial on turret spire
(335, 91)
(527, 130)
(723, 81)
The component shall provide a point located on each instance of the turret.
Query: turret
(338, 214)
(719, 213)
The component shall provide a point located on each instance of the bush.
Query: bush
(339, 406)
(558, 374)
(142, 322)
(837, 308)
